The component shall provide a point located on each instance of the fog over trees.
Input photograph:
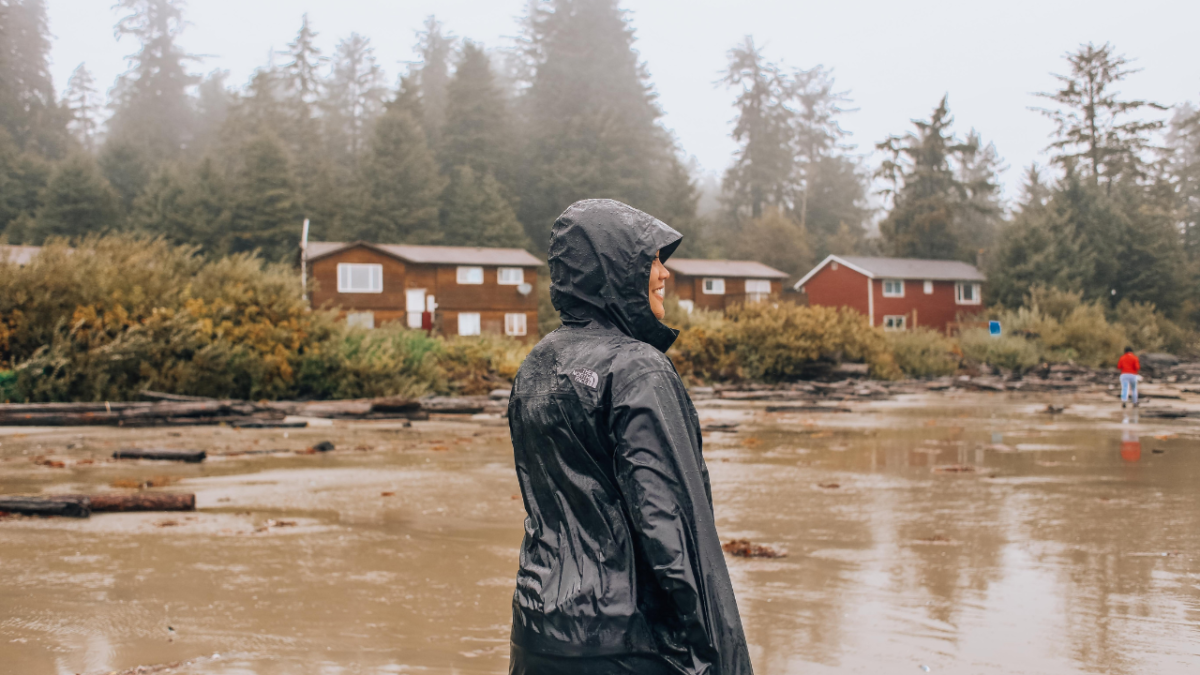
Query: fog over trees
(485, 144)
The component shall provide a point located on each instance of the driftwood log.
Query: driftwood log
(192, 456)
(81, 506)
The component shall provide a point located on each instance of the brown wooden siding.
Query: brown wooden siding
(688, 287)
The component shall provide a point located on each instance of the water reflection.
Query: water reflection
(1131, 446)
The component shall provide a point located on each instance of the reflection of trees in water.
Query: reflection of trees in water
(1105, 539)
(777, 503)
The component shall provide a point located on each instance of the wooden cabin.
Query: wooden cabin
(897, 293)
(717, 284)
(450, 290)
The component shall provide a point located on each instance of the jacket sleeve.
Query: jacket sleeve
(662, 478)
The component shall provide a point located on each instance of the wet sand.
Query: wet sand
(963, 533)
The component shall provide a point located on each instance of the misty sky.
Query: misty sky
(896, 58)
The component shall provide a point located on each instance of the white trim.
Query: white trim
(374, 277)
(716, 281)
(473, 324)
(902, 319)
(977, 291)
(825, 262)
(928, 286)
(464, 273)
(871, 302)
(520, 276)
(515, 324)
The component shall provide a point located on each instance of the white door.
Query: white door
(414, 304)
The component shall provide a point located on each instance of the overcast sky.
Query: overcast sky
(896, 58)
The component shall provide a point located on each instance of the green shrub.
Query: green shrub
(477, 365)
(1014, 352)
(924, 352)
(8, 386)
(391, 360)
(1149, 331)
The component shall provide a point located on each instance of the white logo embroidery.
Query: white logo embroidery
(587, 378)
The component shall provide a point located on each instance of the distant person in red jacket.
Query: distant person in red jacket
(1129, 367)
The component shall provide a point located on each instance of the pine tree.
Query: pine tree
(83, 102)
(128, 167)
(477, 131)
(763, 170)
(400, 185)
(981, 212)
(28, 110)
(354, 100)
(1105, 137)
(23, 176)
(776, 239)
(591, 120)
(213, 104)
(265, 214)
(77, 201)
(1182, 174)
(432, 76)
(189, 207)
(151, 108)
(474, 212)
(928, 199)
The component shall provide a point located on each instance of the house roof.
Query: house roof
(697, 267)
(902, 268)
(435, 255)
(20, 255)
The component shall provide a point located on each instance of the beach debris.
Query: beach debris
(1052, 409)
(143, 483)
(743, 548)
(191, 456)
(82, 506)
(829, 486)
(954, 468)
(323, 446)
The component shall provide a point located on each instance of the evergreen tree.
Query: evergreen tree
(763, 170)
(213, 104)
(477, 132)
(355, 98)
(928, 198)
(186, 207)
(981, 212)
(83, 102)
(1182, 174)
(28, 110)
(151, 108)
(776, 239)
(301, 74)
(399, 184)
(474, 212)
(591, 120)
(1104, 136)
(265, 214)
(128, 166)
(432, 76)
(23, 176)
(77, 201)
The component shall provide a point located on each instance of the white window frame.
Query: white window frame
(687, 305)
(717, 286)
(758, 286)
(928, 287)
(345, 273)
(361, 320)
(473, 325)
(516, 324)
(469, 275)
(895, 322)
(516, 276)
(893, 293)
(976, 292)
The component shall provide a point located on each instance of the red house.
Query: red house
(897, 293)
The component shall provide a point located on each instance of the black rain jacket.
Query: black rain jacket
(621, 554)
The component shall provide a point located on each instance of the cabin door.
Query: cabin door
(414, 304)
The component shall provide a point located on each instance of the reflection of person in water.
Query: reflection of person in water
(1131, 446)
(1129, 367)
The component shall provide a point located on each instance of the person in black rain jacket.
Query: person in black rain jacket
(621, 568)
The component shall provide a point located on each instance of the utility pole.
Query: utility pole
(304, 260)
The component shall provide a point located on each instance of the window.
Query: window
(468, 323)
(687, 305)
(360, 319)
(360, 278)
(714, 287)
(757, 290)
(928, 287)
(414, 304)
(967, 294)
(893, 322)
(514, 324)
(833, 266)
(470, 275)
(510, 276)
(893, 288)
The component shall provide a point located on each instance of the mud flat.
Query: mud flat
(1059, 543)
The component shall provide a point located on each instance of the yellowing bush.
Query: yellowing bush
(923, 352)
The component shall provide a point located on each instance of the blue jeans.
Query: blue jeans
(1128, 382)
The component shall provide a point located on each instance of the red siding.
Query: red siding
(842, 287)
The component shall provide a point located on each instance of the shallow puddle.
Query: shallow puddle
(965, 534)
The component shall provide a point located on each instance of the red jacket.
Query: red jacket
(1129, 364)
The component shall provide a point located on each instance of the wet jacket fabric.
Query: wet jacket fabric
(1129, 364)
(621, 558)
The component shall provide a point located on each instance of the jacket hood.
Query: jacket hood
(601, 252)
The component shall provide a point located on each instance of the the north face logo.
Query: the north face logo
(587, 378)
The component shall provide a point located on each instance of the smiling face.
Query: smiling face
(658, 289)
